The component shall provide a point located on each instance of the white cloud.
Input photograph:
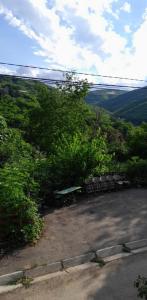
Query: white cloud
(73, 35)
(126, 7)
(127, 29)
(56, 35)
(6, 71)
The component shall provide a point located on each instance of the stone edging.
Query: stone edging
(107, 254)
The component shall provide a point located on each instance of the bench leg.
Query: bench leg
(70, 199)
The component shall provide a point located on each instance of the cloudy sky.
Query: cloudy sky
(96, 36)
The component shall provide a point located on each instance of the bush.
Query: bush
(136, 169)
(44, 178)
(13, 147)
(141, 285)
(19, 216)
(76, 158)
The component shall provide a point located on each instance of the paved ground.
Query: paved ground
(112, 282)
(95, 223)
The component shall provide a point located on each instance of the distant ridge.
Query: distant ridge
(101, 97)
(131, 106)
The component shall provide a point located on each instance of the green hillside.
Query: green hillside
(17, 98)
(101, 97)
(131, 106)
(16, 86)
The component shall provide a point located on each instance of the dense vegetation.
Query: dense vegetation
(51, 139)
(130, 106)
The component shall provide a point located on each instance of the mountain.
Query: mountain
(17, 98)
(101, 97)
(131, 106)
(16, 87)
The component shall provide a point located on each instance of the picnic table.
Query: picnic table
(66, 196)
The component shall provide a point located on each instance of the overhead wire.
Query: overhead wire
(72, 71)
(77, 83)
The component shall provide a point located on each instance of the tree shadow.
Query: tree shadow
(116, 280)
(115, 218)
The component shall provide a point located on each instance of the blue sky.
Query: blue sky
(102, 36)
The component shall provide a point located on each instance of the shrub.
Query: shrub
(13, 147)
(76, 158)
(19, 216)
(141, 285)
(44, 178)
(136, 169)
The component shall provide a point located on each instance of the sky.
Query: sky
(95, 36)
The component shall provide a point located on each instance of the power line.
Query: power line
(74, 72)
(51, 81)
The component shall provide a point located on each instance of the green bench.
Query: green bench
(66, 196)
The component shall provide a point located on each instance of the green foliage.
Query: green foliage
(137, 141)
(44, 177)
(137, 169)
(78, 157)
(18, 189)
(141, 285)
(101, 263)
(60, 111)
(25, 281)
(18, 211)
(13, 147)
(16, 103)
(131, 106)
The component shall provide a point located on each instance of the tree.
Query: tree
(77, 157)
(60, 111)
(137, 141)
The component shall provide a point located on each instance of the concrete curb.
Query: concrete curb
(78, 260)
(109, 251)
(9, 288)
(107, 254)
(10, 278)
(139, 250)
(43, 270)
(116, 257)
(55, 279)
(137, 244)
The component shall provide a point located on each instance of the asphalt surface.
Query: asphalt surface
(115, 281)
(95, 223)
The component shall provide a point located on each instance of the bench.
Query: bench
(66, 196)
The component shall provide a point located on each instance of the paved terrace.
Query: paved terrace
(95, 223)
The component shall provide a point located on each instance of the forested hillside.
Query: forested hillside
(51, 139)
(131, 106)
(101, 97)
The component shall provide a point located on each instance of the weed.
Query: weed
(25, 281)
(99, 260)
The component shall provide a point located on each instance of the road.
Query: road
(112, 282)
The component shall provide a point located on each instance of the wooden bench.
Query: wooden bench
(66, 196)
